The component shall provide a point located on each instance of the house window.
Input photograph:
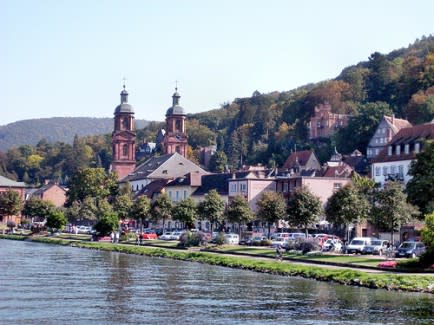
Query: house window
(393, 169)
(398, 149)
(233, 187)
(243, 187)
(185, 194)
(377, 171)
(369, 153)
(407, 149)
(416, 147)
(170, 195)
(377, 151)
(389, 150)
(401, 170)
(285, 187)
(384, 170)
(177, 196)
(318, 124)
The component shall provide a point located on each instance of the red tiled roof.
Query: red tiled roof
(301, 156)
(397, 122)
(342, 170)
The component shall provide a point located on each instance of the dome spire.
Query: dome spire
(124, 93)
(176, 95)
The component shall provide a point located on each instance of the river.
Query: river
(49, 284)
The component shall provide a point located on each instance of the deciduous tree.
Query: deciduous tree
(238, 211)
(212, 208)
(271, 208)
(186, 212)
(303, 209)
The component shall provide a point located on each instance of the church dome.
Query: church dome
(175, 109)
(124, 107)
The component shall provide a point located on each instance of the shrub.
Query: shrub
(306, 245)
(107, 223)
(11, 224)
(220, 239)
(189, 239)
(265, 242)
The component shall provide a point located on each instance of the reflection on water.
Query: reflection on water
(44, 284)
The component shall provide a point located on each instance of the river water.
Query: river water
(49, 284)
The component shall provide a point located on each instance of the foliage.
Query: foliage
(199, 135)
(10, 203)
(186, 212)
(107, 223)
(391, 208)
(141, 208)
(212, 208)
(361, 127)
(238, 211)
(347, 205)
(271, 208)
(427, 233)
(93, 183)
(161, 208)
(189, 239)
(122, 204)
(220, 239)
(420, 189)
(306, 245)
(303, 208)
(218, 162)
(36, 207)
(56, 219)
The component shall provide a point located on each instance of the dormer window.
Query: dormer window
(407, 149)
(389, 150)
(417, 147)
(398, 149)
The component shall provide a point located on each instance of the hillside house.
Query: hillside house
(325, 123)
(19, 187)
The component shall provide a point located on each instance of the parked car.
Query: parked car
(280, 235)
(410, 249)
(255, 241)
(282, 242)
(232, 239)
(332, 245)
(84, 229)
(295, 235)
(149, 235)
(176, 235)
(377, 247)
(357, 245)
(166, 236)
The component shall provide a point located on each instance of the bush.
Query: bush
(265, 242)
(107, 224)
(306, 245)
(11, 224)
(189, 239)
(220, 239)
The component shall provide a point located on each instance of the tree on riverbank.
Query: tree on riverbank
(303, 208)
(10, 203)
(212, 208)
(161, 208)
(271, 208)
(238, 211)
(56, 220)
(186, 212)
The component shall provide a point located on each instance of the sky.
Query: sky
(68, 58)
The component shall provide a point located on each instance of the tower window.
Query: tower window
(125, 123)
(178, 126)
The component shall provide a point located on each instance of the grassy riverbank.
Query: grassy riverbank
(388, 281)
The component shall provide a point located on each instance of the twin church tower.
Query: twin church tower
(124, 134)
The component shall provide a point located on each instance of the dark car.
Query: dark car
(410, 249)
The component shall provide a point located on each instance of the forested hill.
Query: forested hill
(264, 128)
(62, 129)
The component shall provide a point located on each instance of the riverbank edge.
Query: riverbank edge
(349, 277)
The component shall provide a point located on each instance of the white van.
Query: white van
(357, 245)
(232, 239)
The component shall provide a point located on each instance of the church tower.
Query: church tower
(123, 138)
(175, 139)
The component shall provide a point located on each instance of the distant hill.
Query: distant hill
(55, 129)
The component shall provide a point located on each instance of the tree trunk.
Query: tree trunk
(269, 230)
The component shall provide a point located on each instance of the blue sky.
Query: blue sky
(68, 58)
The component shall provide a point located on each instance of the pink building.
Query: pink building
(325, 123)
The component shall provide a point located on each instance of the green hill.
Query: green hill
(55, 129)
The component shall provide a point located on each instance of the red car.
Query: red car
(149, 235)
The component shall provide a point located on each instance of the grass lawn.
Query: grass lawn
(341, 259)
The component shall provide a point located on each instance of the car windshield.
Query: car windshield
(407, 245)
(376, 243)
(357, 242)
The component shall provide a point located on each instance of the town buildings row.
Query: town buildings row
(389, 154)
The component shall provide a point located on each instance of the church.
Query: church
(157, 169)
